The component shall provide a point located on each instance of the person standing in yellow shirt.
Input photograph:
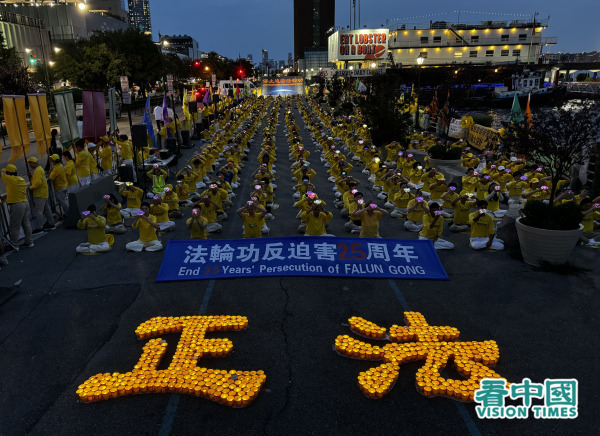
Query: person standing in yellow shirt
(95, 225)
(105, 154)
(39, 190)
(147, 226)
(59, 183)
(433, 226)
(482, 229)
(369, 220)
(18, 206)
(466, 122)
(252, 215)
(197, 225)
(125, 146)
(70, 171)
(82, 163)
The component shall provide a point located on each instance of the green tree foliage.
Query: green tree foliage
(335, 86)
(388, 120)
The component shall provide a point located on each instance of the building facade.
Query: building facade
(313, 19)
(27, 36)
(139, 15)
(488, 42)
(183, 45)
(65, 21)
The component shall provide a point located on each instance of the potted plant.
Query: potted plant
(556, 139)
(440, 155)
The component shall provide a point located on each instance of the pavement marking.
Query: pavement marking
(171, 410)
(462, 410)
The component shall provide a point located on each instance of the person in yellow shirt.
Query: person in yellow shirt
(133, 195)
(160, 210)
(316, 218)
(197, 225)
(466, 122)
(591, 212)
(208, 209)
(18, 206)
(70, 171)
(105, 154)
(401, 200)
(482, 229)
(415, 209)
(94, 162)
(253, 215)
(147, 226)
(114, 219)
(433, 226)
(369, 220)
(172, 200)
(536, 191)
(83, 163)
(58, 178)
(158, 177)
(39, 191)
(95, 225)
(462, 208)
(125, 147)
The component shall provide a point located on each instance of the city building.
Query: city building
(312, 21)
(111, 8)
(485, 42)
(28, 36)
(290, 60)
(183, 45)
(249, 57)
(69, 20)
(139, 15)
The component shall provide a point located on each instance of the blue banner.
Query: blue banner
(300, 256)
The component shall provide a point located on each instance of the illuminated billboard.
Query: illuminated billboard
(282, 86)
(358, 45)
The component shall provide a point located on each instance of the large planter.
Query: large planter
(539, 245)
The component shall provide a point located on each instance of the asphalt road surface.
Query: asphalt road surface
(75, 316)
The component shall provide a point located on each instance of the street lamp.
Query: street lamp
(56, 49)
(81, 6)
(27, 50)
(373, 64)
(420, 61)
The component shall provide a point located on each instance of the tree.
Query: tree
(557, 139)
(335, 86)
(389, 122)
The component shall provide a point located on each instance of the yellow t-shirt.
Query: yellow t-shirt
(172, 200)
(516, 188)
(95, 229)
(252, 225)
(483, 228)
(83, 162)
(160, 211)
(588, 221)
(126, 149)
(105, 155)
(16, 188)
(436, 193)
(58, 177)
(432, 229)
(469, 183)
(196, 232)
(39, 185)
(113, 215)
(147, 232)
(402, 198)
(417, 214)
(134, 197)
(72, 179)
(315, 225)
(370, 224)
(462, 211)
(209, 212)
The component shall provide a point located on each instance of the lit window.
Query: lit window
(458, 54)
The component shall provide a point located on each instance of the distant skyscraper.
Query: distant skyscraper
(249, 57)
(312, 21)
(265, 56)
(290, 59)
(139, 15)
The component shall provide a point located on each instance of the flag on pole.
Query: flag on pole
(246, 89)
(16, 126)
(67, 118)
(528, 116)
(40, 122)
(207, 97)
(148, 121)
(237, 90)
(185, 107)
(165, 115)
(516, 115)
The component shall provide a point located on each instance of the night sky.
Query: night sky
(247, 26)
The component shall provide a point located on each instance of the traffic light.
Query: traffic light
(200, 92)
(32, 59)
(197, 64)
(241, 72)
